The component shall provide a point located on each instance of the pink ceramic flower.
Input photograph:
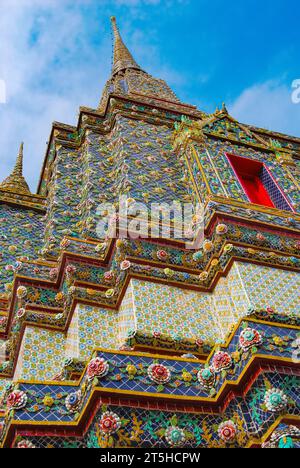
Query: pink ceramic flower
(260, 237)
(221, 229)
(20, 313)
(221, 361)
(227, 431)
(70, 270)
(97, 367)
(109, 423)
(162, 255)
(125, 265)
(53, 273)
(159, 374)
(108, 276)
(16, 400)
(25, 444)
(3, 321)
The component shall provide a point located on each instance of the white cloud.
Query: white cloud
(50, 68)
(268, 105)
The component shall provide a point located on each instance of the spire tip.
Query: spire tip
(15, 182)
(122, 57)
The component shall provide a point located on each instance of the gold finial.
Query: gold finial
(15, 182)
(122, 57)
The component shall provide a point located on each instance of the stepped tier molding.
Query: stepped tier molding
(249, 385)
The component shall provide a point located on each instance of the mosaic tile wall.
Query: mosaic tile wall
(72, 341)
(149, 307)
(147, 85)
(90, 328)
(16, 241)
(149, 169)
(272, 287)
(96, 328)
(209, 316)
(229, 303)
(237, 291)
(171, 311)
(127, 317)
(62, 216)
(41, 354)
(191, 314)
(134, 81)
(136, 159)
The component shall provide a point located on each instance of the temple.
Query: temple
(128, 341)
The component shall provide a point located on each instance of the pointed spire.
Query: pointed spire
(224, 108)
(122, 57)
(15, 182)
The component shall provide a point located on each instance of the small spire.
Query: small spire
(15, 182)
(122, 57)
(224, 108)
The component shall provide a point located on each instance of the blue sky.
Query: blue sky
(56, 56)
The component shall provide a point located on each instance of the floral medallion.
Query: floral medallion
(53, 273)
(48, 401)
(228, 248)
(206, 377)
(20, 313)
(25, 444)
(203, 276)
(109, 423)
(21, 292)
(125, 265)
(227, 431)
(3, 322)
(70, 270)
(221, 229)
(186, 376)
(109, 293)
(97, 367)
(207, 246)
(159, 374)
(131, 369)
(197, 256)
(168, 272)
(16, 400)
(221, 361)
(249, 338)
(275, 400)
(108, 276)
(73, 401)
(101, 247)
(162, 255)
(175, 436)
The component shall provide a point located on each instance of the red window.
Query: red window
(258, 183)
